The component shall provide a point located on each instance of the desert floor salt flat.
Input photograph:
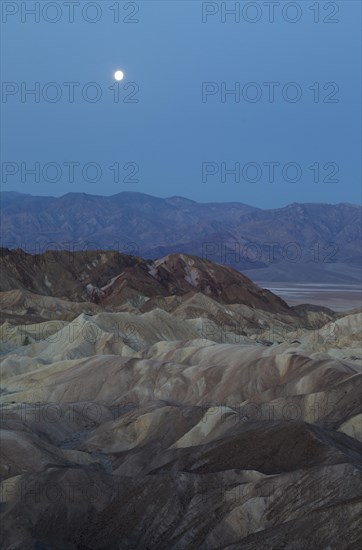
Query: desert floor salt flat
(336, 297)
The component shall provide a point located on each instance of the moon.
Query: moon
(118, 75)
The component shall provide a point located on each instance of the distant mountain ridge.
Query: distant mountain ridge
(296, 243)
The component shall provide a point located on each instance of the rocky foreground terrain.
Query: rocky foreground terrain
(173, 404)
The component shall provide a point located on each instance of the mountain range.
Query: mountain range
(299, 243)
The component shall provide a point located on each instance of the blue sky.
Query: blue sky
(175, 140)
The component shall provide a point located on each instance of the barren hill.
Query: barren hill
(173, 404)
(110, 278)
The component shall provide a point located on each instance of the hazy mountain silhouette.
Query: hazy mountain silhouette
(296, 243)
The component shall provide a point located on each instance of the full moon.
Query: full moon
(118, 75)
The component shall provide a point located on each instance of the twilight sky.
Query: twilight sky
(174, 129)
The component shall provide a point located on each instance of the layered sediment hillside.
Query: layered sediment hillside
(173, 404)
